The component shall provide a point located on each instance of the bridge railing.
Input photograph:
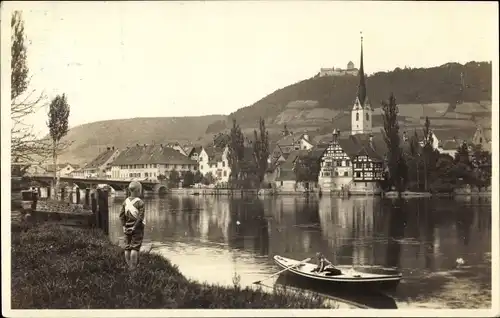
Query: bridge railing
(94, 201)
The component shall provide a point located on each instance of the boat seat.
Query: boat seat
(333, 272)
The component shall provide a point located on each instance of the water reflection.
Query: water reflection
(211, 238)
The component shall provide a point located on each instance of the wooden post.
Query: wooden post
(78, 196)
(34, 201)
(103, 211)
(87, 196)
(94, 207)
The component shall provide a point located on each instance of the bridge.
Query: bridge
(83, 183)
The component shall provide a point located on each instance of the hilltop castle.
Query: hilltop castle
(350, 70)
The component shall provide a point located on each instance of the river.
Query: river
(213, 239)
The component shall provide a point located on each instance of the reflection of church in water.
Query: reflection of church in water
(348, 226)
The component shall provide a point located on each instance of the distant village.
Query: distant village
(349, 160)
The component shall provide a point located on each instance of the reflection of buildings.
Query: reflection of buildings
(347, 225)
(215, 218)
(294, 227)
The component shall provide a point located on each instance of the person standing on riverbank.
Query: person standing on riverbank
(132, 218)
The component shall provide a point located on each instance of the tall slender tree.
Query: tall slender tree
(25, 146)
(415, 156)
(398, 170)
(58, 126)
(427, 151)
(236, 151)
(261, 149)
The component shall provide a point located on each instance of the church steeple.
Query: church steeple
(361, 114)
(362, 82)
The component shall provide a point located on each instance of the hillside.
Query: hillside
(90, 139)
(451, 95)
(330, 96)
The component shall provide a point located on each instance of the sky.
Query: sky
(151, 59)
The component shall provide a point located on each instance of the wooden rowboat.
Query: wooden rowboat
(349, 277)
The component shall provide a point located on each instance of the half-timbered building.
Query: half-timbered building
(354, 163)
(335, 166)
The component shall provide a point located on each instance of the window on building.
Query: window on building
(480, 140)
(146, 174)
(201, 167)
(224, 173)
(339, 163)
(195, 168)
(367, 117)
(347, 163)
(336, 173)
(358, 174)
(130, 175)
(281, 183)
(357, 116)
(183, 166)
(366, 184)
(346, 173)
(223, 163)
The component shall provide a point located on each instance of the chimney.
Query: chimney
(335, 135)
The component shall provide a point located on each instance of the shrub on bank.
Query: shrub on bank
(56, 267)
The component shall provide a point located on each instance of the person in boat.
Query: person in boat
(325, 266)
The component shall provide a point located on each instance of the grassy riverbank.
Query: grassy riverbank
(56, 267)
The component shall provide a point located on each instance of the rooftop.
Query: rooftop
(50, 167)
(151, 154)
(101, 158)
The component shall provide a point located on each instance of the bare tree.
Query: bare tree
(25, 146)
(58, 126)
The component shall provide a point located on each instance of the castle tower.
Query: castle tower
(361, 114)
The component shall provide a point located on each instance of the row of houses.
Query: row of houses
(349, 161)
(355, 162)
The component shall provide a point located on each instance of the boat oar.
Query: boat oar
(283, 270)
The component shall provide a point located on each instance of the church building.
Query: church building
(354, 163)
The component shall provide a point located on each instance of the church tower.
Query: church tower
(361, 114)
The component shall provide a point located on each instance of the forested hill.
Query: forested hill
(449, 83)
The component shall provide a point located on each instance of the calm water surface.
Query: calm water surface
(213, 238)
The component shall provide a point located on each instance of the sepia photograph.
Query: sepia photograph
(224, 158)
